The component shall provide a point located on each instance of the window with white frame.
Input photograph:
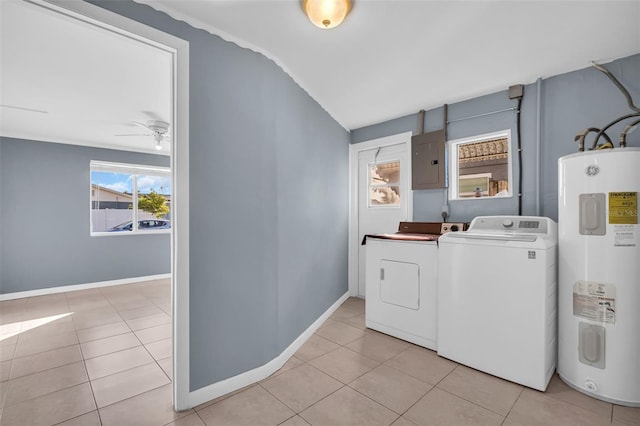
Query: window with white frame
(129, 199)
(480, 166)
(384, 184)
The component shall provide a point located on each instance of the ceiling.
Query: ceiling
(64, 80)
(391, 58)
(388, 59)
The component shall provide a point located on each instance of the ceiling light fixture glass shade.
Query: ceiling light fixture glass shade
(326, 13)
(157, 136)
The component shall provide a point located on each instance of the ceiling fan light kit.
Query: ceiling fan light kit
(157, 128)
(326, 14)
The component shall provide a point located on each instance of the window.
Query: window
(480, 166)
(129, 199)
(384, 184)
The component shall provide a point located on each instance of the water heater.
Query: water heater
(599, 274)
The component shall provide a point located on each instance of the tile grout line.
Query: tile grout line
(611, 416)
(476, 404)
(306, 408)
(433, 386)
(286, 420)
(82, 359)
(550, 397)
(47, 369)
(88, 381)
(367, 331)
(21, 336)
(145, 348)
(273, 376)
(336, 378)
(47, 393)
(105, 337)
(513, 405)
(141, 344)
(361, 354)
(380, 403)
(145, 392)
(86, 370)
(419, 399)
(138, 338)
(200, 417)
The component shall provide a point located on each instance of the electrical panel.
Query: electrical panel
(428, 160)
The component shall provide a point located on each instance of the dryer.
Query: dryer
(401, 281)
(497, 289)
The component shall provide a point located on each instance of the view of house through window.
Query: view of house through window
(480, 166)
(384, 184)
(127, 198)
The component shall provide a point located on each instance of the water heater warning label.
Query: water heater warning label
(595, 301)
(625, 235)
(623, 208)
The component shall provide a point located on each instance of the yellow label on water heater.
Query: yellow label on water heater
(623, 208)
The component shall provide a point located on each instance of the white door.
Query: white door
(383, 200)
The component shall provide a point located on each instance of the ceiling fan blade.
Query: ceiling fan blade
(137, 123)
(153, 116)
(25, 109)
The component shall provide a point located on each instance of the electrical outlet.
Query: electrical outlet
(451, 227)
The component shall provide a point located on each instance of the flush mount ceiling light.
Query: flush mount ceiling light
(326, 14)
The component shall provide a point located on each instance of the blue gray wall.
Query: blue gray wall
(578, 100)
(568, 103)
(44, 220)
(1, 233)
(269, 204)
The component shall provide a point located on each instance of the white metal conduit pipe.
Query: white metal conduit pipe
(538, 137)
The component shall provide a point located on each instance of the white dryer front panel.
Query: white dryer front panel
(401, 280)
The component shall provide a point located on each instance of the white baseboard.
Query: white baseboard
(240, 381)
(75, 287)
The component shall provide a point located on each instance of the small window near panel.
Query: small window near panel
(129, 199)
(384, 184)
(480, 167)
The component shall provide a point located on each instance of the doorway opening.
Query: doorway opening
(132, 33)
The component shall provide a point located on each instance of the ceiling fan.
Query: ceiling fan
(158, 129)
(24, 108)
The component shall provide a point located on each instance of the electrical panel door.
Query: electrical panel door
(428, 162)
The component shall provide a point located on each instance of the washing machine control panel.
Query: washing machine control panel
(511, 224)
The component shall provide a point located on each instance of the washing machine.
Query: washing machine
(497, 290)
(401, 281)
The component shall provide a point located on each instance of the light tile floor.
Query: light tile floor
(103, 357)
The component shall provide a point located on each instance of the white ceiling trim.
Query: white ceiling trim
(88, 143)
(211, 29)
